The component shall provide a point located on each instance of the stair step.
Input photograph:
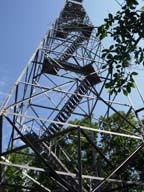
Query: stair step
(76, 99)
(71, 105)
(73, 47)
(83, 89)
(66, 111)
(69, 108)
(63, 116)
(61, 119)
(81, 92)
(48, 132)
(52, 130)
(74, 102)
(56, 127)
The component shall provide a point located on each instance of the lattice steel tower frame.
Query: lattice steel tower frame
(63, 81)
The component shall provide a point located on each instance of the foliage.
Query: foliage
(115, 148)
(126, 31)
(14, 176)
(88, 153)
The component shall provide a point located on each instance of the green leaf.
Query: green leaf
(141, 57)
(118, 66)
(108, 85)
(110, 56)
(103, 35)
(110, 16)
(134, 73)
(104, 55)
(132, 84)
(111, 47)
(104, 66)
(128, 88)
(111, 91)
(125, 92)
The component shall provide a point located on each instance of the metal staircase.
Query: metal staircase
(72, 103)
(72, 48)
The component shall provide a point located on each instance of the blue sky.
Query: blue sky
(23, 24)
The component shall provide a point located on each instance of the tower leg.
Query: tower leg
(79, 160)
